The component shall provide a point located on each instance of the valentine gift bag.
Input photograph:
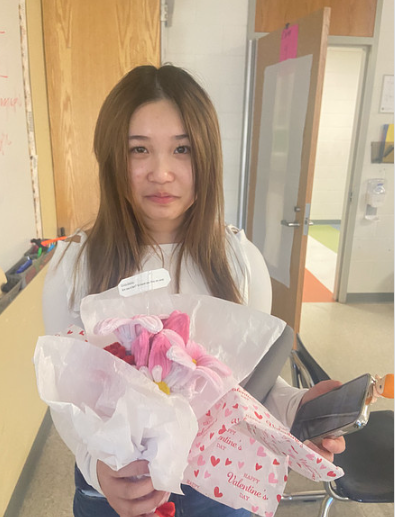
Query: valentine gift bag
(241, 456)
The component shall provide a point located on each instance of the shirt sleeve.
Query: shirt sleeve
(259, 280)
(283, 399)
(58, 314)
(249, 263)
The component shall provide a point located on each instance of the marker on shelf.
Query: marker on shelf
(3, 278)
(50, 241)
(24, 266)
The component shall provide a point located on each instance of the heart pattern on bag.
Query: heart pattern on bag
(246, 456)
(217, 492)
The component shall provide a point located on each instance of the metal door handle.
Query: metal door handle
(290, 225)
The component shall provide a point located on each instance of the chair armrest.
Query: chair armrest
(303, 374)
(261, 381)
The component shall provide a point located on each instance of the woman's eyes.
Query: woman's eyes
(138, 150)
(183, 149)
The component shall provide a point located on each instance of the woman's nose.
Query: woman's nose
(161, 171)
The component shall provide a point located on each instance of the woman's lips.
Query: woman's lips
(161, 199)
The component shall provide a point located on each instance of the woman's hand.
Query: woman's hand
(329, 446)
(130, 491)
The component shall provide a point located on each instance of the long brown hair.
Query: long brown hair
(117, 243)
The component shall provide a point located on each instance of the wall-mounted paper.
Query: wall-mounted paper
(284, 109)
(387, 95)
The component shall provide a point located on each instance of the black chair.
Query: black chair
(368, 461)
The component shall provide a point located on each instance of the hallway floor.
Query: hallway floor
(320, 266)
(347, 341)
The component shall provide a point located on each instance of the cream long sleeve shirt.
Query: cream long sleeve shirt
(248, 268)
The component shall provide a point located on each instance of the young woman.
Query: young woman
(158, 147)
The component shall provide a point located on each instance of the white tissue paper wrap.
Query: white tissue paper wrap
(118, 415)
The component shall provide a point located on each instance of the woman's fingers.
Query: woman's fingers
(143, 506)
(323, 452)
(319, 389)
(130, 490)
(136, 468)
(334, 445)
(329, 447)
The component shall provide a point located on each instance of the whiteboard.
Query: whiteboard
(17, 209)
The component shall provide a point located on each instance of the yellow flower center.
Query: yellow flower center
(163, 386)
(194, 361)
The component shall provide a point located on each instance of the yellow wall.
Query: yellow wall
(21, 410)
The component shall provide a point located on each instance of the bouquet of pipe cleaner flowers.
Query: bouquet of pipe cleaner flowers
(160, 348)
(156, 377)
(186, 353)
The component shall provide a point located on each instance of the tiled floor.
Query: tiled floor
(321, 262)
(346, 339)
(315, 291)
(321, 259)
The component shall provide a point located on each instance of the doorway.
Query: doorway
(337, 131)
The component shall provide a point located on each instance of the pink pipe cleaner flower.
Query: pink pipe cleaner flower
(193, 368)
(177, 373)
(159, 365)
(204, 360)
(174, 338)
(179, 322)
(163, 352)
(157, 355)
(128, 329)
(140, 348)
(150, 350)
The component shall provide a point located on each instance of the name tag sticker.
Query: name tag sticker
(147, 281)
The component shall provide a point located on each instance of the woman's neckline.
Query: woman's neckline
(169, 246)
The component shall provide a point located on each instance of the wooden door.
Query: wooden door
(89, 46)
(348, 17)
(290, 66)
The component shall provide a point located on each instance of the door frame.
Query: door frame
(358, 149)
(287, 280)
(358, 152)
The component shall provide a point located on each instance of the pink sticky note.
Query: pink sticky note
(289, 42)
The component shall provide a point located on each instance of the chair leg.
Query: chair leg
(331, 496)
(309, 496)
(330, 489)
(294, 374)
(325, 506)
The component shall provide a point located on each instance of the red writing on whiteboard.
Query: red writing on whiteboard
(4, 142)
(3, 47)
(10, 102)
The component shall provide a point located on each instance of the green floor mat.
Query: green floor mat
(326, 235)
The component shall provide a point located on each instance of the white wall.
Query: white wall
(372, 260)
(343, 67)
(208, 39)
